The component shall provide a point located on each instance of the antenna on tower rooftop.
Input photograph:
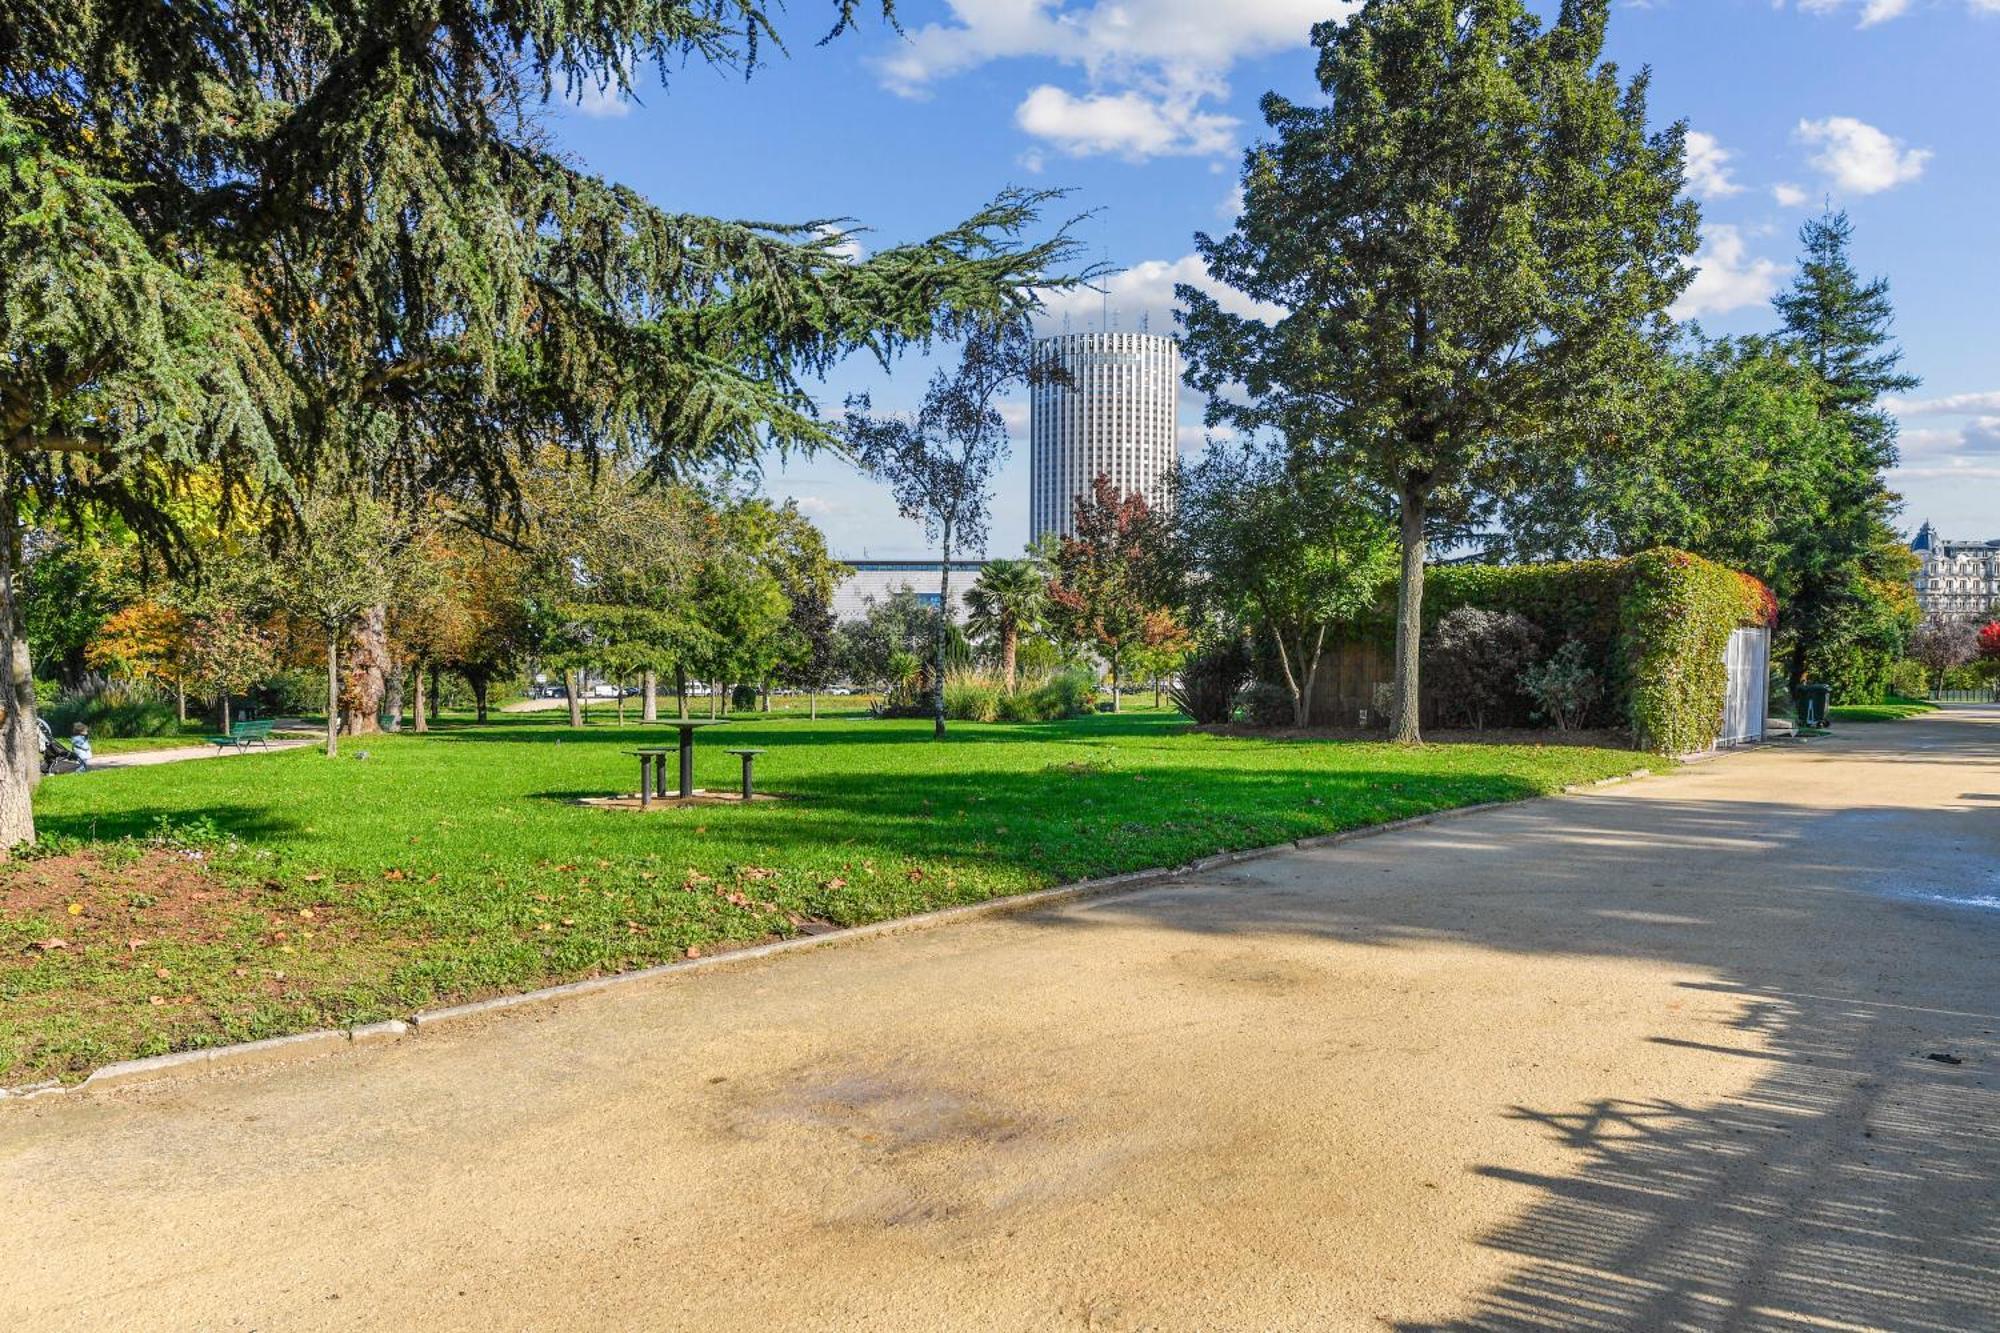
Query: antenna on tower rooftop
(1104, 313)
(1145, 321)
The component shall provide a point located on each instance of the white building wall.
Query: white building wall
(1115, 418)
(881, 579)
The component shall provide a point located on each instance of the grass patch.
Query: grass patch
(271, 893)
(1895, 710)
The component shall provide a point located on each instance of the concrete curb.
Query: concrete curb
(328, 1041)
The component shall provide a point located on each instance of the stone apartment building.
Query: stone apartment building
(1956, 578)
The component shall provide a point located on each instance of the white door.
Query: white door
(1749, 660)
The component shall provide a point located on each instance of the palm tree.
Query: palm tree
(1005, 600)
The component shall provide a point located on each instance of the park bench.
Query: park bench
(243, 735)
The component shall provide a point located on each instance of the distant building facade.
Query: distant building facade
(1115, 417)
(879, 580)
(1956, 578)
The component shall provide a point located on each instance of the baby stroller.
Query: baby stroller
(56, 756)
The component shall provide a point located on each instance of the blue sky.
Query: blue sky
(1888, 108)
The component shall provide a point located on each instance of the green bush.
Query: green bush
(1564, 688)
(1908, 680)
(1268, 705)
(291, 693)
(113, 708)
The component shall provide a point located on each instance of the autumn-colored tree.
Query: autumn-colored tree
(148, 640)
(1113, 582)
(1989, 643)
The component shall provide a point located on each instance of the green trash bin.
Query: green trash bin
(1809, 701)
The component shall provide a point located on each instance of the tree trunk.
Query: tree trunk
(1117, 695)
(333, 694)
(937, 641)
(479, 687)
(1010, 644)
(180, 701)
(225, 712)
(764, 696)
(1795, 664)
(368, 672)
(392, 695)
(681, 692)
(437, 693)
(573, 691)
(649, 695)
(812, 705)
(422, 722)
(21, 762)
(1407, 728)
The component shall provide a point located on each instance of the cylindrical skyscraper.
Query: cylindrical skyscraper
(1115, 417)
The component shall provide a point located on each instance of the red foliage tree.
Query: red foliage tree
(1989, 641)
(1113, 580)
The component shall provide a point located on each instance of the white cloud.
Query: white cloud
(1957, 404)
(1881, 11)
(1708, 167)
(1728, 278)
(1149, 65)
(606, 103)
(848, 246)
(1130, 123)
(1859, 158)
(1789, 195)
(1146, 290)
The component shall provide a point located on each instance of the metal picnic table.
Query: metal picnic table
(653, 761)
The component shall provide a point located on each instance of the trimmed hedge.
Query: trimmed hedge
(1654, 627)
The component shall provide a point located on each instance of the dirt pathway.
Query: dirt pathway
(1660, 1056)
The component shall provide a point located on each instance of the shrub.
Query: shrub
(114, 708)
(1564, 688)
(971, 696)
(1070, 693)
(291, 693)
(1909, 680)
(1268, 705)
(1211, 678)
(1479, 657)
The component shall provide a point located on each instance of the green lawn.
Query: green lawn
(1893, 711)
(271, 893)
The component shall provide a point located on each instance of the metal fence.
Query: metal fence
(1985, 694)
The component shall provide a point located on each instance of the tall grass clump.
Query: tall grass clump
(113, 708)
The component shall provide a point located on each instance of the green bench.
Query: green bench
(243, 735)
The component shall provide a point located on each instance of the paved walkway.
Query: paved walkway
(1660, 1056)
(141, 758)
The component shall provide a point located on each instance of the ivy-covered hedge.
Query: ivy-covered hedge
(1677, 613)
(1654, 626)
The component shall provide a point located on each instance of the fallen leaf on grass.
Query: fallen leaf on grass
(314, 878)
(49, 945)
(836, 884)
(76, 909)
(394, 874)
(693, 952)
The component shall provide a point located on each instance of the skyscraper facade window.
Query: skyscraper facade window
(1115, 417)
